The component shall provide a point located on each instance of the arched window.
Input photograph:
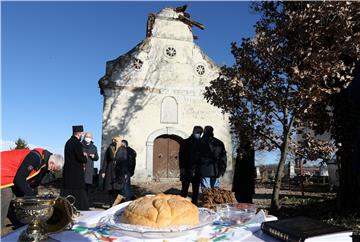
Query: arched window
(169, 111)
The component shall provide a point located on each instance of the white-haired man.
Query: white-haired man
(21, 172)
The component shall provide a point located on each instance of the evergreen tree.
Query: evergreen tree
(21, 144)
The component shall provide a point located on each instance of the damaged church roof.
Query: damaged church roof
(169, 42)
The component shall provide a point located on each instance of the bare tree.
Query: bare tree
(282, 80)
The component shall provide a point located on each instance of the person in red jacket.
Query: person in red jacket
(21, 173)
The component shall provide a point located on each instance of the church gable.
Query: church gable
(167, 57)
(153, 94)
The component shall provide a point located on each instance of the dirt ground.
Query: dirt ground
(100, 200)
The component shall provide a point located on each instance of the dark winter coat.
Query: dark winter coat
(73, 171)
(122, 163)
(189, 157)
(115, 165)
(132, 160)
(244, 173)
(108, 167)
(89, 168)
(213, 159)
(125, 161)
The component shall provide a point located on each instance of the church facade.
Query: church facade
(153, 96)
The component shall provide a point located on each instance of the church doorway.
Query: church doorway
(166, 156)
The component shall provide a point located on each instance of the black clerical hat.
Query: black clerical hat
(77, 128)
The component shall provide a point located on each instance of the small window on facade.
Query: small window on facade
(170, 51)
(137, 63)
(200, 69)
(169, 111)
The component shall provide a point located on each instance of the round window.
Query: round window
(170, 51)
(200, 69)
(137, 63)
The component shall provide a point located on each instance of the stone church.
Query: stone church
(153, 95)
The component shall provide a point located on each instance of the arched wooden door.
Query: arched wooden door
(166, 156)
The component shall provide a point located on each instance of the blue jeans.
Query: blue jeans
(209, 182)
(128, 193)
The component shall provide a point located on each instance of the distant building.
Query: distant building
(153, 95)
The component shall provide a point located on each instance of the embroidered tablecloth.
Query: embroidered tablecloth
(90, 229)
(87, 228)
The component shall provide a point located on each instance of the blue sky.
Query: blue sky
(54, 53)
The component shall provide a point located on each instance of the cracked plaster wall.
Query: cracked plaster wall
(133, 96)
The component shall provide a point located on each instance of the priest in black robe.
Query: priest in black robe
(74, 170)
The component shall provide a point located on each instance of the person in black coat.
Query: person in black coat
(74, 167)
(107, 171)
(92, 155)
(131, 157)
(213, 159)
(189, 155)
(244, 174)
(125, 168)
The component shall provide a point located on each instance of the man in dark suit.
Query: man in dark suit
(213, 159)
(128, 168)
(189, 156)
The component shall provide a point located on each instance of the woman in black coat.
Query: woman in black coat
(108, 171)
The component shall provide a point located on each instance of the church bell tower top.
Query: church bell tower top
(172, 23)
